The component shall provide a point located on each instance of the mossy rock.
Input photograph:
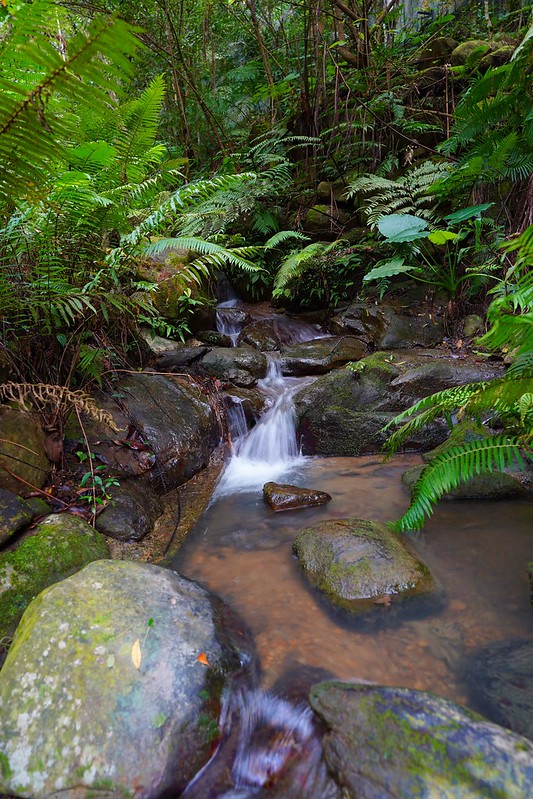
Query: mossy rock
(360, 565)
(324, 218)
(61, 545)
(397, 743)
(113, 685)
(464, 52)
(496, 58)
(23, 451)
(436, 52)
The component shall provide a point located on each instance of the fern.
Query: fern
(297, 262)
(455, 466)
(409, 194)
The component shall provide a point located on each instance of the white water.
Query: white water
(270, 449)
(228, 322)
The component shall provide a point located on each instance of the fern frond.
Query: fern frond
(452, 467)
(43, 396)
(282, 236)
(215, 254)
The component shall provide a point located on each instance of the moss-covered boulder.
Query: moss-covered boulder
(60, 546)
(436, 52)
(23, 451)
(496, 58)
(397, 743)
(500, 682)
(323, 218)
(243, 366)
(465, 51)
(321, 355)
(112, 685)
(280, 496)
(15, 514)
(387, 328)
(360, 565)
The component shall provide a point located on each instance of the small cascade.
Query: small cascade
(238, 426)
(270, 747)
(229, 320)
(270, 448)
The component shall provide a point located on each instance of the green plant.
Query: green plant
(451, 257)
(95, 484)
(506, 401)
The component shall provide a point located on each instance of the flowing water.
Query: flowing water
(242, 551)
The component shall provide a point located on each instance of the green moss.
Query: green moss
(5, 769)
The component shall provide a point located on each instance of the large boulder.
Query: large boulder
(131, 512)
(344, 413)
(321, 355)
(436, 52)
(15, 514)
(61, 545)
(323, 218)
(280, 496)
(465, 52)
(113, 683)
(273, 332)
(23, 451)
(360, 565)
(397, 743)
(500, 682)
(243, 366)
(176, 423)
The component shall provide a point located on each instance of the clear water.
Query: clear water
(478, 551)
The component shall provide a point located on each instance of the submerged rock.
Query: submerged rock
(15, 513)
(397, 743)
(112, 685)
(61, 545)
(360, 565)
(500, 681)
(279, 496)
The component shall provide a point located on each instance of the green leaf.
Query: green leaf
(395, 266)
(403, 227)
(441, 236)
(468, 213)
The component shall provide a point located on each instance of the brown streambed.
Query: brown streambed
(479, 552)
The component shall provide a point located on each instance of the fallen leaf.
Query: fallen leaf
(136, 654)
(459, 344)
(202, 658)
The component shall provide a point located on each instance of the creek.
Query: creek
(242, 551)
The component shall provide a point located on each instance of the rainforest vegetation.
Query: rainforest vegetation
(316, 151)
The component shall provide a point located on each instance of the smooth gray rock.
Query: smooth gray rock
(360, 565)
(397, 743)
(113, 684)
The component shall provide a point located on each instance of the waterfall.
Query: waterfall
(270, 449)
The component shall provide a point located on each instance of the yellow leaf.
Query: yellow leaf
(136, 654)
(202, 658)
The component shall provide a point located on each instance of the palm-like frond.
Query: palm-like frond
(451, 468)
(214, 255)
(295, 264)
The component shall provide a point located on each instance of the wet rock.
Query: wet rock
(15, 513)
(213, 338)
(272, 333)
(243, 366)
(279, 496)
(157, 344)
(344, 413)
(175, 421)
(397, 743)
(113, 684)
(360, 565)
(23, 451)
(61, 545)
(366, 322)
(131, 512)
(321, 355)
(405, 331)
(500, 681)
(472, 325)
(180, 359)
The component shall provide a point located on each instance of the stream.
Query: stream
(241, 550)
